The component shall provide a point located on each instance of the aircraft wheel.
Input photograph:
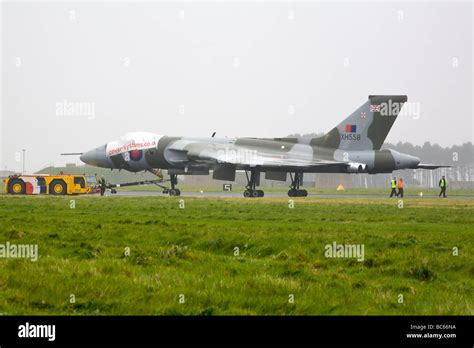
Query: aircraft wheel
(178, 192)
(255, 193)
(17, 187)
(57, 187)
(260, 193)
(173, 192)
(247, 194)
(292, 193)
(304, 193)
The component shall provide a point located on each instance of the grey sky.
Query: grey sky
(241, 69)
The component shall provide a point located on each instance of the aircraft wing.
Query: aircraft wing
(243, 156)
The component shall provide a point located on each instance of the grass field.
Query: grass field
(191, 251)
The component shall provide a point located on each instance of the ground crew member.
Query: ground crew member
(394, 187)
(443, 184)
(103, 186)
(400, 185)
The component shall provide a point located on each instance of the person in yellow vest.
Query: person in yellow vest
(393, 184)
(103, 185)
(400, 185)
(443, 184)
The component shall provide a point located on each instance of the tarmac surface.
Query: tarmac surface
(236, 194)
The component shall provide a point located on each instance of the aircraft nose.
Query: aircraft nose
(86, 157)
(96, 157)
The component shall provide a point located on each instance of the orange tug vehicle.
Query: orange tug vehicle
(46, 184)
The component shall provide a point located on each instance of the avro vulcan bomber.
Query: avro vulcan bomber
(353, 146)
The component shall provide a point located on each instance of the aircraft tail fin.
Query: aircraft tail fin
(367, 127)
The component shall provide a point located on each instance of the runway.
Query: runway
(237, 194)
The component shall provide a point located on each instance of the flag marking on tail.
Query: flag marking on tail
(351, 128)
(375, 108)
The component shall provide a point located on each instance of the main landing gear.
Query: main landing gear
(296, 181)
(173, 191)
(252, 182)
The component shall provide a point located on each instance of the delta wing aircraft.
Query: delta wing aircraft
(353, 146)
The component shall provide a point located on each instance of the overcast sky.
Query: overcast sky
(260, 69)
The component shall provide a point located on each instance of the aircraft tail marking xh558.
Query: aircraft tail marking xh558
(353, 146)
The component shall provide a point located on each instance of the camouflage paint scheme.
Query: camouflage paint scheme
(353, 146)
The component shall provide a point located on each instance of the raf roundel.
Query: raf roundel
(136, 155)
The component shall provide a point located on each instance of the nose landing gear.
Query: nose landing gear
(173, 191)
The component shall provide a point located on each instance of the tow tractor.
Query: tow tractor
(46, 184)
